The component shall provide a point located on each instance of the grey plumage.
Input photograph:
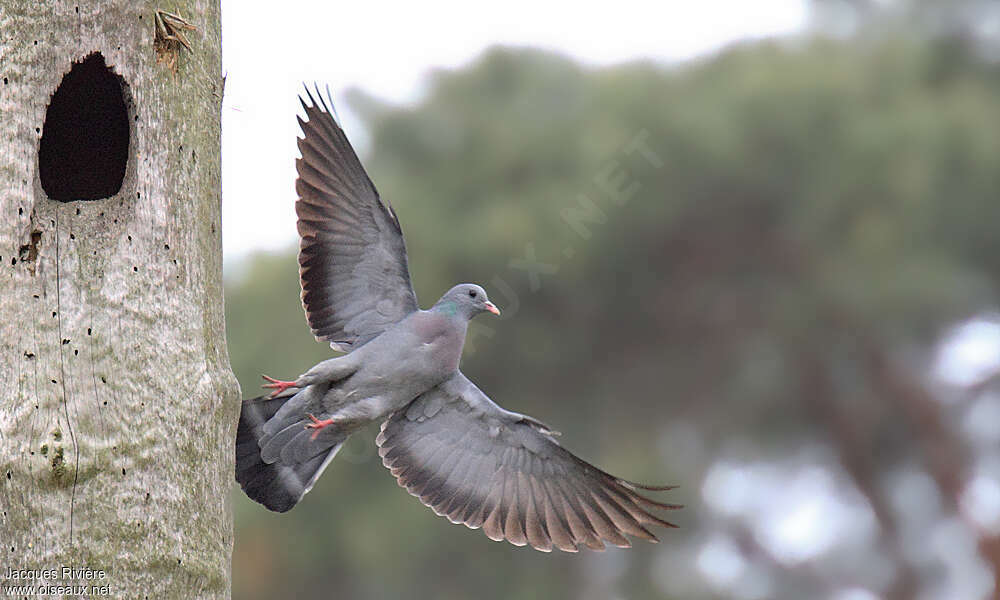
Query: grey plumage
(278, 485)
(443, 439)
(352, 257)
(480, 465)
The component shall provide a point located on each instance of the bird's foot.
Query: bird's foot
(277, 385)
(317, 425)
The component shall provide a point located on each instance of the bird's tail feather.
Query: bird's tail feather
(293, 460)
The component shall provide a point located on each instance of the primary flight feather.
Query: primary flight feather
(442, 438)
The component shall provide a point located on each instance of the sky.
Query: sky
(387, 50)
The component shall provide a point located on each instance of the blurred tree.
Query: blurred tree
(970, 23)
(746, 261)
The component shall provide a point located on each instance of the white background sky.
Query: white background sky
(269, 49)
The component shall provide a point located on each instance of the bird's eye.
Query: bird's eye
(472, 293)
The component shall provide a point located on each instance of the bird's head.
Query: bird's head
(466, 299)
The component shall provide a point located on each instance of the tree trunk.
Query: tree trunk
(118, 405)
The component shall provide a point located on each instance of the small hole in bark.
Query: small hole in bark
(85, 137)
(29, 252)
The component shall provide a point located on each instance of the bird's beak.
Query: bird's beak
(493, 308)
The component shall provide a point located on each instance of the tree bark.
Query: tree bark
(118, 404)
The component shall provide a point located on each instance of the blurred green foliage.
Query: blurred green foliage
(810, 203)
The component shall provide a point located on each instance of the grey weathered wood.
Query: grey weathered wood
(117, 403)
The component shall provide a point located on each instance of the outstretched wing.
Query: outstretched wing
(352, 258)
(480, 465)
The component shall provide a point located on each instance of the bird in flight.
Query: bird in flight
(443, 439)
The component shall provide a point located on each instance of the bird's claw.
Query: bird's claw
(277, 385)
(317, 425)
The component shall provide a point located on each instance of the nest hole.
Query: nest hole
(85, 138)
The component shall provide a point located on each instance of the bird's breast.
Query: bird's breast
(435, 349)
(441, 354)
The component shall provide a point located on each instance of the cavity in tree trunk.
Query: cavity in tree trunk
(118, 405)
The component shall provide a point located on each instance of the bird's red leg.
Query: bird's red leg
(277, 385)
(317, 425)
